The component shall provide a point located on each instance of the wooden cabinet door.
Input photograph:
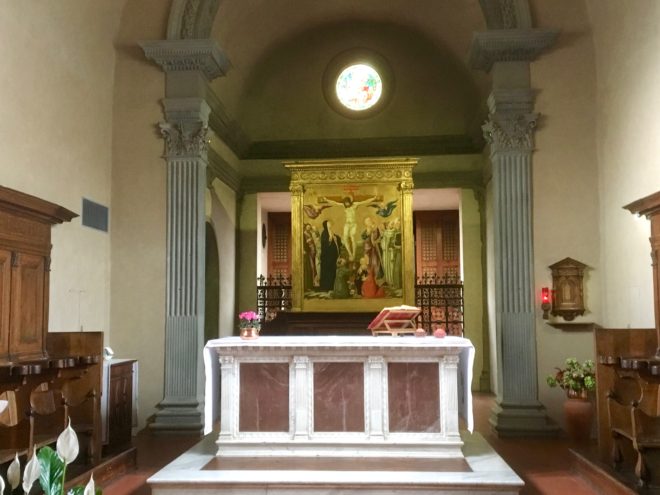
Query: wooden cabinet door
(279, 244)
(5, 291)
(437, 243)
(120, 419)
(27, 316)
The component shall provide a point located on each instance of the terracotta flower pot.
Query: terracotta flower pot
(249, 333)
(579, 413)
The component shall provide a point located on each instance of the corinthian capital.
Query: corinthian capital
(185, 139)
(511, 133)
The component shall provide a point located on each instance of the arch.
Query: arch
(507, 14)
(212, 286)
(191, 19)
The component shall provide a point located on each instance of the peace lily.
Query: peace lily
(14, 473)
(90, 489)
(67, 445)
(49, 467)
(32, 472)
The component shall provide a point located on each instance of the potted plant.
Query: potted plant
(577, 380)
(249, 325)
(49, 468)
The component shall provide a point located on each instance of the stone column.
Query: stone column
(189, 66)
(185, 134)
(510, 132)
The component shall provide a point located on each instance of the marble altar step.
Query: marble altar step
(199, 471)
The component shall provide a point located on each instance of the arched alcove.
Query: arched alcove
(212, 286)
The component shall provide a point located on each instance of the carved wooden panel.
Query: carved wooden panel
(27, 318)
(25, 223)
(279, 244)
(437, 243)
(5, 291)
(120, 418)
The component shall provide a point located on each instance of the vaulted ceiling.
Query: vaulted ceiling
(280, 49)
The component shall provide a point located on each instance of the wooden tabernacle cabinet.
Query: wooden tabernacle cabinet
(120, 403)
(25, 225)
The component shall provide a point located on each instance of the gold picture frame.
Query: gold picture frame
(351, 226)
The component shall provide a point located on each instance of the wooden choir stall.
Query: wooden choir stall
(628, 382)
(45, 378)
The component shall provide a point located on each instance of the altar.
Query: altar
(356, 415)
(339, 396)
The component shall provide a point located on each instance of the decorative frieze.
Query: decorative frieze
(202, 55)
(509, 45)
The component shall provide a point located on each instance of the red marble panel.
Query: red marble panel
(413, 397)
(338, 397)
(264, 397)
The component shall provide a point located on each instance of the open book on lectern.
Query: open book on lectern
(395, 320)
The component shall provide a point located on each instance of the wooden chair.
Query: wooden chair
(629, 421)
(82, 404)
(15, 431)
(47, 415)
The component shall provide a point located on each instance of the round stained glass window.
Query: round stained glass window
(359, 87)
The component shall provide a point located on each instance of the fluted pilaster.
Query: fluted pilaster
(185, 135)
(510, 134)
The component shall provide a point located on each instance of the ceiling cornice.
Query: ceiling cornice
(340, 148)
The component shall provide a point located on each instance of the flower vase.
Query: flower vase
(578, 413)
(249, 333)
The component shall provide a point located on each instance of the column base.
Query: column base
(517, 420)
(178, 418)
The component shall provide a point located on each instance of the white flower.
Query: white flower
(2, 485)
(32, 471)
(67, 445)
(14, 473)
(90, 489)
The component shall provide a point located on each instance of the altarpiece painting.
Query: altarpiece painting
(352, 234)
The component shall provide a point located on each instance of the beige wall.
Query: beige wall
(472, 278)
(626, 40)
(56, 88)
(565, 182)
(139, 194)
(249, 213)
(223, 217)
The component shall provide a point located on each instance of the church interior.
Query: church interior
(498, 169)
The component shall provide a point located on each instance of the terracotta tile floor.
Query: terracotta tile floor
(544, 464)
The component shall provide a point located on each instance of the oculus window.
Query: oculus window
(358, 83)
(359, 87)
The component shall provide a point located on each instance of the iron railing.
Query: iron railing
(273, 295)
(441, 302)
(439, 298)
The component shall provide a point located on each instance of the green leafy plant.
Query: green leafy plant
(575, 376)
(49, 467)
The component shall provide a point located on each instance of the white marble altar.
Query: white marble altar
(357, 396)
(199, 471)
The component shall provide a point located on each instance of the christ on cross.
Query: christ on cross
(350, 222)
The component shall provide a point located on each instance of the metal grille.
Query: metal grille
(441, 302)
(94, 215)
(273, 295)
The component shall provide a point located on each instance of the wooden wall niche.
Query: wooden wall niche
(25, 229)
(567, 288)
